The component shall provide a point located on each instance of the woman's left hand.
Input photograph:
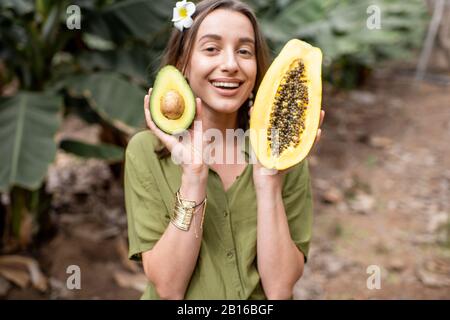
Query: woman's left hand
(270, 178)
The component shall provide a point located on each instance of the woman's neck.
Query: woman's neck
(217, 120)
(212, 119)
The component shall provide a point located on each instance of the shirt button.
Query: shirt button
(230, 254)
(225, 213)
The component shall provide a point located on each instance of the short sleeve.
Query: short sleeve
(298, 204)
(147, 215)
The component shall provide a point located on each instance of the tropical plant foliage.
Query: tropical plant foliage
(344, 31)
(48, 70)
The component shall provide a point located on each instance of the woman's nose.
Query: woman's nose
(229, 62)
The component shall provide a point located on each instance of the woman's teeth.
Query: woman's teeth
(226, 84)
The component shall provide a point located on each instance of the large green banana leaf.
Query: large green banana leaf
(139, 19)
(132, 62)
(28, 124)
(116, 100)
(339, 27)
(107, 152)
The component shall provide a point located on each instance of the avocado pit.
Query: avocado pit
(172, 105)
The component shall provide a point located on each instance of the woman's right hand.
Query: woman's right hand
(189, 153)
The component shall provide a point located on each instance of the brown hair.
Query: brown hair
(179, 47)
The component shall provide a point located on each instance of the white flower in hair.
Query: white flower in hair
(182, 14)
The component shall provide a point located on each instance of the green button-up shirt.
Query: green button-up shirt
(226, 267)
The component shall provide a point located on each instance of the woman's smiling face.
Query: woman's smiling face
(222, 69)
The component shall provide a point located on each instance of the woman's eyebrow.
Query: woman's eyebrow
(246, 39)
(212, 36)
(217, 37)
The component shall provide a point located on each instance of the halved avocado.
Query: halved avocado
(172, 103)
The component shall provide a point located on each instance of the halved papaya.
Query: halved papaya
(286, 113)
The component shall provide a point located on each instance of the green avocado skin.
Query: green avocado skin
(170, 78)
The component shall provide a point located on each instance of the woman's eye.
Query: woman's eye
(211, 49)
(245, 52)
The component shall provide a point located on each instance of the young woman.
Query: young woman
(250, 238)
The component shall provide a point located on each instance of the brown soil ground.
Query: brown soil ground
(381, 177)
